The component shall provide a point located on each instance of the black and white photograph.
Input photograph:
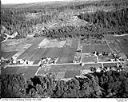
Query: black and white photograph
(70, 49)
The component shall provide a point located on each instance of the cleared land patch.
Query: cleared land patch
(46, 43)
(88, 48)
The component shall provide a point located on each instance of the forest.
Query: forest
(100, 22)
(109, 84)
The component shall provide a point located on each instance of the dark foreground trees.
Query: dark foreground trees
(13, 86)
(92, 85)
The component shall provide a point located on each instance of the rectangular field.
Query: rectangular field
(74, 43)
(118, 43)
(104, 58)
(109, 64)
(61, 71)
(71, 73)
(53, 52)
(46, 52)
(95, 47)
(58, 68)
(27, 71)
(8, 54)
(87, 66)
(31, 50)
(67, 55)
(86, 58)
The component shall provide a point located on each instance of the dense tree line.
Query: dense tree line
(15, 20)
(91, 85)
(115, 21)
(107, 3)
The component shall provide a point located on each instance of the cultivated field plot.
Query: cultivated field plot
(88, 48)
(17, 44)
(123, 44)
(115, 47)
(104, 58)
(36, 61)
(88, 66)
(8, 55)
(13, 46)
(46, 43)
(67, 55)
(38, 53)
(31, 50)
(75, 43)
(118, 43)
(109, 64)
(63, 67)
(48, 48)
(59, 68)
(66, 71)
(71, 73)
(27, 71)
(61, 71)
(87, 58)
(53, 52)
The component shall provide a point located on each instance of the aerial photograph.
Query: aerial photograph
(64, 49)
